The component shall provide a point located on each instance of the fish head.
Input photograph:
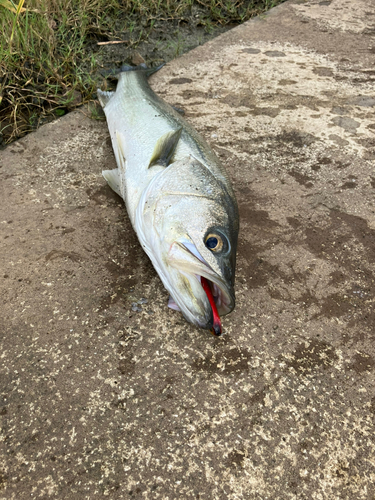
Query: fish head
(202, 252)
(193, 219)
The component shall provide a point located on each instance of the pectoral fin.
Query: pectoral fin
(165, 148)
(113, 179)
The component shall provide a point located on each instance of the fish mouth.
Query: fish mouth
(209, 288)
(216, 297)
(195, 269)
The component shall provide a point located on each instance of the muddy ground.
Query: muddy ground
(167, 40)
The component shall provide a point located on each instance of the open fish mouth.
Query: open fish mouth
(219, 300)
(219, 296)
(210, 288)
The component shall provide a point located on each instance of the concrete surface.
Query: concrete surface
(105, 392)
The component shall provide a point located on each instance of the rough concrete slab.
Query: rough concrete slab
(106, 392)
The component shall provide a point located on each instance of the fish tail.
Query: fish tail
(105, 96)
(141, 67)
(115, 73)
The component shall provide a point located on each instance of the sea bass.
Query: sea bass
(178, 196)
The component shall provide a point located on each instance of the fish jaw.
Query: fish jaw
(184, 257)
(193, 297)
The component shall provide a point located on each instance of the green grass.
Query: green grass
(43, 69)
(46, 65)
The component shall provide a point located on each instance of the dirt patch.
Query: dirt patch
(315, 354)
(226, 362)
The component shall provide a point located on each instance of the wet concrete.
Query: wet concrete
(105, 392)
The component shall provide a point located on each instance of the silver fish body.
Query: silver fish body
(178, 196)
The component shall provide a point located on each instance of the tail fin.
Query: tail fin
(115, 73)
(141, 67)
(105, 96)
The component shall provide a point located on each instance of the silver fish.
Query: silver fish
(178, 196)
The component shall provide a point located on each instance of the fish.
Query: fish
(178, 195)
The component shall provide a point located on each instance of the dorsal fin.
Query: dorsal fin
(165, 148)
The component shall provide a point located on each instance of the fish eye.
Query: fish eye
(214, 242)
